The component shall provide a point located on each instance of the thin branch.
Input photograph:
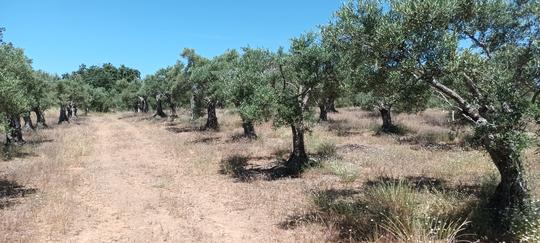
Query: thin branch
(479, 44)
(472, 86)
(535, 96)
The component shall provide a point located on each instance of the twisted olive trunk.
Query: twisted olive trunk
(74, 110)
(63, 116)
(172, 106)
(40, 117)
(69, 110)
(249, 130)
(331, 106)
(298, 158)
(159, 108)
(323, 114)
(14, 133)
(512, 191)
(386, 116)
(28, 124)
(211, 119)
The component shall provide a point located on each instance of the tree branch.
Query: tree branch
(479, 44)
(535, 96)
(472, 86)
(463, 105)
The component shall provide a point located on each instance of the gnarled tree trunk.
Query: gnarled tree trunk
(14, 134)
(386, 116)
(331, 106)
(211, 119)
(249, 130)
(63, 116)
(74, 110)
(196, 103)
(40, 117)
(298, 158)
(159, 108)
(172, 106)
(142, 104)
(323, 114)
(512, 191)
(28, 125)
(69, 110)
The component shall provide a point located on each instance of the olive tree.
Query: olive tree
(16, 78)
(372, 69)
(205, 76)
(44, 95)
(196, 97)
(245, 85)
(482, 56)
(72, 93)
(299, 75)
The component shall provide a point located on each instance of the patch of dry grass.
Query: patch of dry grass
(360, 156)
(54, 152)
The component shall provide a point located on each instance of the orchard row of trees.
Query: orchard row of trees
(22, 90)
(482, 58)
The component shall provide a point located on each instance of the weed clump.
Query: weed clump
(394, 211)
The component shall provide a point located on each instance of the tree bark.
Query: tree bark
(323, 114)
(40, 117)
(298, 158)
(74, 110)
(159, 108)
(141, 105)
(211, 119)
(172, 106)
(196, 103)
(28, 125)
(249, 130)
(14, 134)
(63, 117)
(69, 110)
(386, 116)
(331, 106)
(512, 191)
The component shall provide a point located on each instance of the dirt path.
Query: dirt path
(136, 190)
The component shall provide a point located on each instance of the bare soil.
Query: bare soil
(127, 178)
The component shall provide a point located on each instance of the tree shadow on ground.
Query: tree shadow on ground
(182, 129)
(131, 115)
(240, 138)
(39, 141)
(9, 152)
(10, 191)
(206, 140)
(238, 167)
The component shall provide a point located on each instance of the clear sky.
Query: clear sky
(59, 35)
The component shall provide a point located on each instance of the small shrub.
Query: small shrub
(405, 214)
(394, 211)
(233, 165)
(394, 130)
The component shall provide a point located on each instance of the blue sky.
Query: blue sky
(59, 35)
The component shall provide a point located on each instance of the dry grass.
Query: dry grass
(44, 169)
(214, 176)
